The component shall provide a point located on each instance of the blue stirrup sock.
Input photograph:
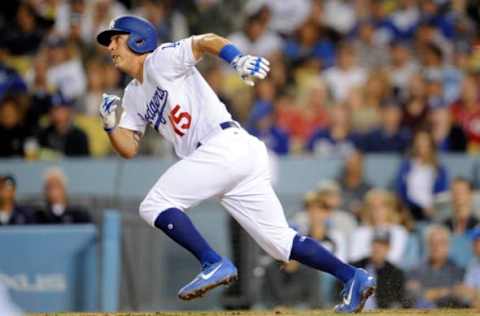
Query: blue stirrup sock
(309, 252)
(179, 227)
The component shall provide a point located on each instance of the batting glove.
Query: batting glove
(107, 111)
(250, 67)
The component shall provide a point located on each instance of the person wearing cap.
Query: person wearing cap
(391, 279)
(262, 125)
(10, 212)
(390, 136)
(61, 135)
(448, 135)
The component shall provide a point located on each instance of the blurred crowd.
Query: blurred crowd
(360, 74)
(347, 78)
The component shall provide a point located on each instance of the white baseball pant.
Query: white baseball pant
(233, 166)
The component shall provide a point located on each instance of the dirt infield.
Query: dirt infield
(443, 312)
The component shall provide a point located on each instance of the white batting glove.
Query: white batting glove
(250, 67)
(107, 111)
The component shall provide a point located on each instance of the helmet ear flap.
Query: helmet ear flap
(135, 43)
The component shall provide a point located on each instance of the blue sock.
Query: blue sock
(179, 227)
(309, 252)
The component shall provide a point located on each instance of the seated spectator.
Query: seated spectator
(415, 107)
(372, 53)
(316, 220)
(10, 212)
(11, 82)
(262, 125)
(365, 102)
(390, 279)
(336, 140)
(390, 137)
(421, 176)
(345, 75)
(401, 69)
(471, 282)
(58, 209)
(256, 39)
(352, 183)
(65, 70)
(435, 282)
(293, 285)
(12, 131)
(466, 112)
(310, 48)
(61, 136)
(379, 213)
(462, 218)
(448, 136)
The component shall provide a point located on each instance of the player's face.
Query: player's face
(121, 54)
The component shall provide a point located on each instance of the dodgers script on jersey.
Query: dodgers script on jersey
(174, 99)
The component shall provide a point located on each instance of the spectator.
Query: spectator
(330, 197)
(390, 279)
(336, 140)
(379, 213)
(448, 136)
(65, 72)
(11, 83)
(352, 183)
(262, 125)
(402, 68)
(372, 53)
(10, 212)
(390, 137)
(318, 221)
(415, 108)
(24, 34)
(292, 285)
(471, 283)
(462, 218)
(12, 131)
(466, 112)
(310, 113)
(288, 15)
(406, 18)
(61, 136)
(435, 282)
(256, 38)
(310, 48)
(171, 23)
(340, 15)
(97, 16)
(365, 112)
(58, 209)
(345, 75)
(421, 176)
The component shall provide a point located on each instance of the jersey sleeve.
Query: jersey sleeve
(131, 118)
(173, 60)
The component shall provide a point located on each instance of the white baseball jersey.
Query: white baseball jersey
(174, 99)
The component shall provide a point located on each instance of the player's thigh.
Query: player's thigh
(183, 185)
(261, 214)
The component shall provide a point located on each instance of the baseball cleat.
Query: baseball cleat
(213, 275)
(356, 292)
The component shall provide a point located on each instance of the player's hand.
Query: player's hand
(251, 67)
(107, 109)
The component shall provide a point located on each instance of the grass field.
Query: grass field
(443, 312)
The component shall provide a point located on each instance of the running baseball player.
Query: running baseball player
(218, 157)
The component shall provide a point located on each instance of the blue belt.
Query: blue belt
(224, 125)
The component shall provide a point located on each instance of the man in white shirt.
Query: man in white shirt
(219, 158)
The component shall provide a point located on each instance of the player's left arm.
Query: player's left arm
(249, 67)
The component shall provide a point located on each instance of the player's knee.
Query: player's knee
(148, 211)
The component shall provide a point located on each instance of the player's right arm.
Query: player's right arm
(126, 142)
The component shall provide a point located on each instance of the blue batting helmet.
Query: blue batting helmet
(142, 34)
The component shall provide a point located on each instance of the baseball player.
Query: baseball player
(218, 157)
